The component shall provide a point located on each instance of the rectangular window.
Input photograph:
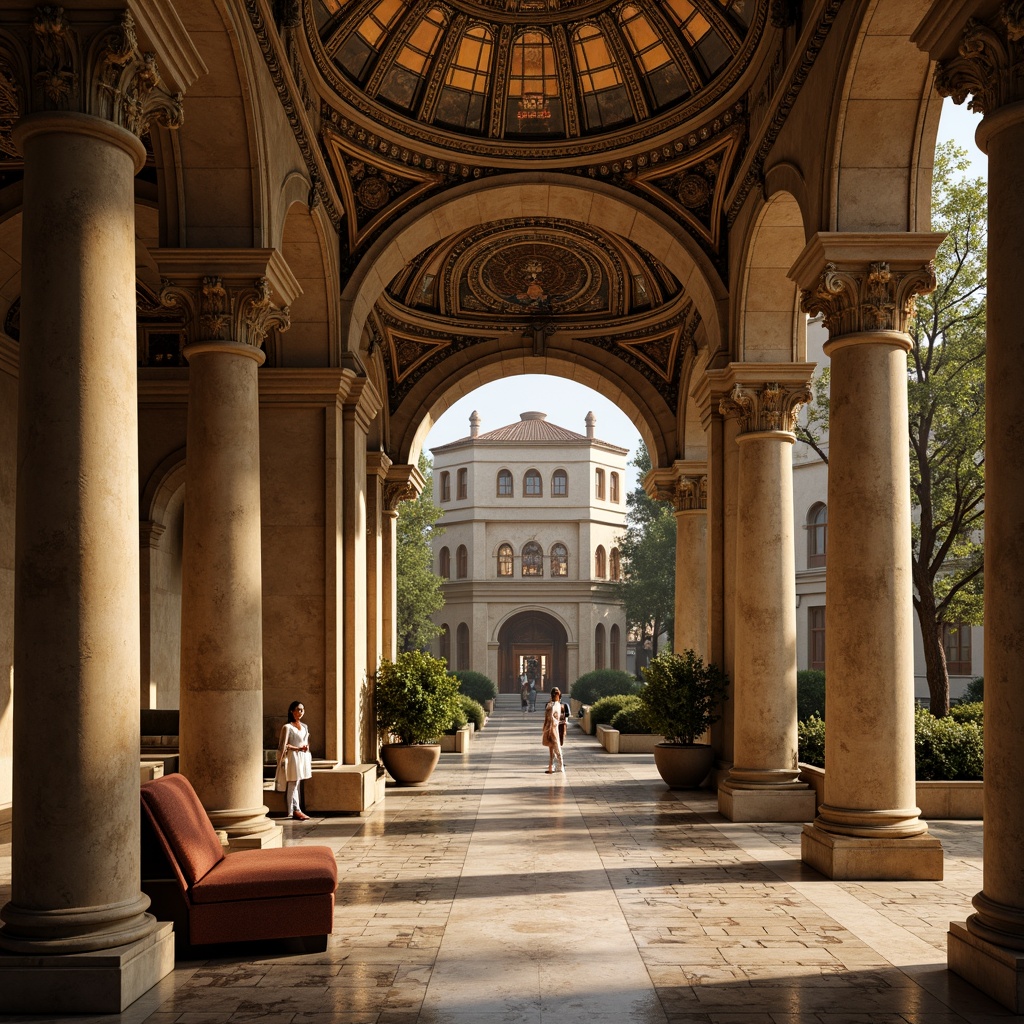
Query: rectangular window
(463, 484)
(956, 638)
(816, 637)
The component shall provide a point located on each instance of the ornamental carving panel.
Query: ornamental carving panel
(875, 298)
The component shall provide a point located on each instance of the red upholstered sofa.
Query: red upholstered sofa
(285, 893)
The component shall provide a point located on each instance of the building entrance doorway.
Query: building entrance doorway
(535, 643)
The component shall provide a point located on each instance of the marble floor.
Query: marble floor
(498, 894)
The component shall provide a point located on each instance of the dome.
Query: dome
(540, 75)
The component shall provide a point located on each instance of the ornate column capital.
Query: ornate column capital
(402, 483)
(86, 64)
(865, 283)
(228, 295)
(978, 50)
(685, 484)
(762, 396)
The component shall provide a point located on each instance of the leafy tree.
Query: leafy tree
(419, 592)
(648, 553)
(947, 418)
(813, 427)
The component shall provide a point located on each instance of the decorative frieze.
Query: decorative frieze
(216, 312)
(53, 64)
(989, 66)
(876, 298)
(773, 406)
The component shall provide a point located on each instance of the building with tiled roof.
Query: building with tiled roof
(533, 514)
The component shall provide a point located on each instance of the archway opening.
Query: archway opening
(536, 643)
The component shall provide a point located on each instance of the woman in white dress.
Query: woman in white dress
(293, 761)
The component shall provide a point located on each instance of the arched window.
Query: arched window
(462, 486)
(462, 103)
(599, 484)
(613, 648)
(599, 660)
(712, 51)
(462, 562)
(533, 487)
(817, 534)
(614, 565)
(613, 488)
(505, 560)
(533, 559)
(404, 80)
(559, 560)
(446, 486)
(444, 564)
(534, 99)
(559, 484)
(661, 74)
(462, 647)
(364, 46)
(600, 563)
(445, 643)
(605, 100)
(504, 483)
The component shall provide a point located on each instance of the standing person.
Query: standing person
(550, 736)
(533, 695)
(293, 761)
(563, 724)
(524, 692)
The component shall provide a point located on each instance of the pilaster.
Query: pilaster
(403, 483)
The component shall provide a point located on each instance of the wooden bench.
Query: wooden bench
(285, 893)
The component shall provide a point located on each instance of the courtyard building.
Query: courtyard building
(533, 517)
(250, 251)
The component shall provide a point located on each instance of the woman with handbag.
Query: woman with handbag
(550, 735)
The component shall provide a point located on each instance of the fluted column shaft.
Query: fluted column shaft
(221, 589)
(75, 853)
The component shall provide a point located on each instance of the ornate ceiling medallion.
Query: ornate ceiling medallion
(373, 191)
(694, 186)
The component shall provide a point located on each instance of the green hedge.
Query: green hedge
(603, 711)
(811, 741)
(944, 749)
(476, 685)
(473, 710)
(975, 692)
(810, 694)
(631, 718)
(604, 682)
(974, 712)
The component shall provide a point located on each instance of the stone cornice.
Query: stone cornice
(362, 401)
(312, 386)
(377, 464)
(235, 266)
(862, 283)
(161, 29)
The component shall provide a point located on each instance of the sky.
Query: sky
(567, 403)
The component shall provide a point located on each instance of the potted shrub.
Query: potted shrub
(682, 700)
(481, 688)
(416, 701)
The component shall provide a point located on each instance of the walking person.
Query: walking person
(533, 695)
(293, 760)
(524, 692)
(550, 734)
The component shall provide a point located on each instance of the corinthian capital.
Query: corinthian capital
(402, 483)
(684, 483)
(216, 311)
(989, 62)
(865, 283)
(772, 406)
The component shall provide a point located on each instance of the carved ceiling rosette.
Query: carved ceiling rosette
(876, 298)
(773, 406)
(989, 66)
(216, 312)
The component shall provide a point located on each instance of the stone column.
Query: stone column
(868, 826)
(76, 910)
(228, 296)
(377, 466)
(403, 483)
(984, 58)
(764, 782)
(362, 403)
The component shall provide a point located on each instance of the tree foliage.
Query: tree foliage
(947, 418)
(419, 592)
(648, 555)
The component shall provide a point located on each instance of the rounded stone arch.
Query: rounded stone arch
(532, 632)
(770, 326)
(535, 195)
(306, 244)
(162, 510)
(884, 126)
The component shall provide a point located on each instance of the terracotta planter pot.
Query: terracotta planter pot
(684, 766)
(410, 764)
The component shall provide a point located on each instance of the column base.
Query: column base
(848, 858)
(767, 804)
(104, 981)
(269, 838)
(996, 970)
